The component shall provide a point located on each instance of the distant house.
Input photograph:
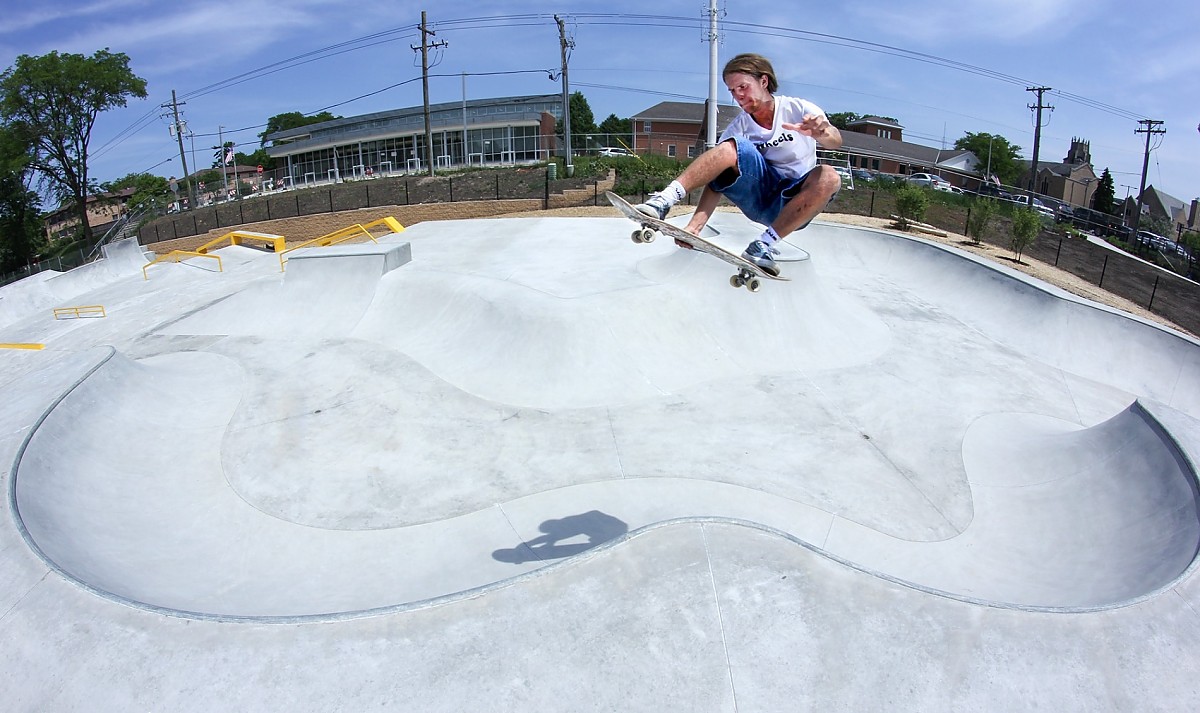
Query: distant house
(676, 129)
(884, 155)
(877, 126)
(1157, 204)
(103, 209)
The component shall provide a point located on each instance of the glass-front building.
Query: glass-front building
(476, 132)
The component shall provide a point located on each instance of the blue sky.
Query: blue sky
(940, 67)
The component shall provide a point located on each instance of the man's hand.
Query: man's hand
(818, 127)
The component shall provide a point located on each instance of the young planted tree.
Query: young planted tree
(1026, 224)
(979, 218)
(52, 102)
(911, 203)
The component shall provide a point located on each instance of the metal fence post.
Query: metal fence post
(1103, 269)
(1153, 292)
(1059, 253)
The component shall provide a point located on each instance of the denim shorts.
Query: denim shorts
(756, 188)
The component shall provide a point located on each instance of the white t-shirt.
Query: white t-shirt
(791, 153)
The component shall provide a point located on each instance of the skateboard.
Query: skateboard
(748, 275)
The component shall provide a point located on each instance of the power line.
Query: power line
(591, 19)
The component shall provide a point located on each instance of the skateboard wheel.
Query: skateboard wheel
(647, 235)
(636, 237)
(735, 281)
(754, 285)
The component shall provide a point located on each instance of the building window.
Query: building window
(671, 150)
(645, 127)
(692, 151)
(883, 133)
(875, 164)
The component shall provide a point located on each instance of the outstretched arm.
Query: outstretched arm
(818, 127)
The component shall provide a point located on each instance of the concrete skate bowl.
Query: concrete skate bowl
(140, 495)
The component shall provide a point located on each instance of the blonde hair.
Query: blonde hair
(755, 65)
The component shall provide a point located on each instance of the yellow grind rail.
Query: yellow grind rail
(77, 312)
(344, 234)
(238, 237)
(178, 256)
(22, 346)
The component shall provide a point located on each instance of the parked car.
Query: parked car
(1036, 204)
(613, 152)
(929, 181)
(861, 174)
(991, 190)
(847, 179)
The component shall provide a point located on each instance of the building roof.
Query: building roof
(393, 114)
(410, 121)
(1168, 205)
(688, 113)
(890, 148)
(876, 121)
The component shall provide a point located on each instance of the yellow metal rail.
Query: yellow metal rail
(77, 312)
(179, 256)
(348, 233)
(22, 346)
(238, 237)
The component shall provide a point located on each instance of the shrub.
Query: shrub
(981, 213)
(911, 203)
(1026, 224)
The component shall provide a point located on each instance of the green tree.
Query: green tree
(1026, 224)
(291, 120)
(260, 157)
(52, 101)
(841, 119)
(148, 188)
(20, 228)
(1005, 157)
(1105, 197)
(582, 119)
(616, 128)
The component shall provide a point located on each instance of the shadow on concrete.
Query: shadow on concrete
(596, 526)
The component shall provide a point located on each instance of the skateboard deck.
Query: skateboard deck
(748, 275)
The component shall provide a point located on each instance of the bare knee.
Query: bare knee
(828, 181)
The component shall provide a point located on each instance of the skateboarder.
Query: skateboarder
(765, 162)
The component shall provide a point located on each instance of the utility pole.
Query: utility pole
(425, 47)
(714, 38)
(177, 129)
(1037, 137)
(564, 44)
(1150, 130)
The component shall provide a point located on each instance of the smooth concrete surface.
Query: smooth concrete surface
(527, 464)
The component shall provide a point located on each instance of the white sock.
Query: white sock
(674, 192)
(769, 236)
